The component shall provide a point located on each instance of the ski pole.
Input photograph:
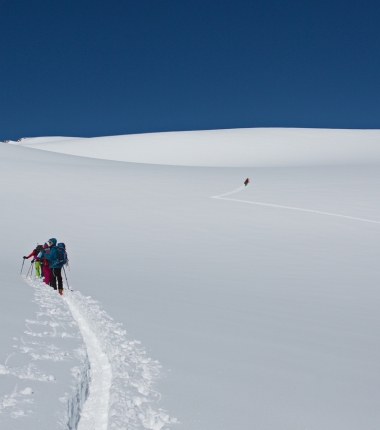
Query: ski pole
(64, 271)
(31, 264)
(23, 261)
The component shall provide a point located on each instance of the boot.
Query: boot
(61, 291)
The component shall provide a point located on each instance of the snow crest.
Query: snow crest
(52, 337)
(131, 394)
(54, 308)
(94, 414)
(244, 147)
(125, 397)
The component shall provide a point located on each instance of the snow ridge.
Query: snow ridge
(114, 386)
(94, 414)
(53, 307)
(113, 379)
(131, 393)
(51, 337)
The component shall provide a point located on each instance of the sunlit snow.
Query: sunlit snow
(211, 305)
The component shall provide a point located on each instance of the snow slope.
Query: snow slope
(258, 147)
(261, 314)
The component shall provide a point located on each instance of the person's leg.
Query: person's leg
(38, 269)
(46, 272)
(58, 277)
(53, 279)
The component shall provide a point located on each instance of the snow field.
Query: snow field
(250, 147)
(122, 394)
(50, 341)
(118, 392)
(222, 197)
(114, 382)
(261, 317)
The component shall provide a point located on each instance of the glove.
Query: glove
(25, 258)
(33, 261)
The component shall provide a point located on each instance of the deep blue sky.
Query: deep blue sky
(94, 67)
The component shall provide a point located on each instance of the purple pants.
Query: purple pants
(46, 273)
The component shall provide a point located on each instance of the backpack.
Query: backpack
(38, 249)
(62, 254)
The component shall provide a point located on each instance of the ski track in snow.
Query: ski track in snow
(221, 197)
(131, 394)
(52, 336)
(94, 415)
(115, 382)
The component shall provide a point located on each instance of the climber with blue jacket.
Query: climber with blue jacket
(55, 265)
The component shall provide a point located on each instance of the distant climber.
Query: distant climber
(246, 182)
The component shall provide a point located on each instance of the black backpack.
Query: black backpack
(62, 254)
(38, 249)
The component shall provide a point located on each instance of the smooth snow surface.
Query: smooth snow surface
(261, 305)
(257, 147)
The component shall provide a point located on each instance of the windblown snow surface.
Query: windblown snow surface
(197, 303)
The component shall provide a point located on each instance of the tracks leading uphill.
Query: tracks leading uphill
(222, 197)
(115, 384)
(94, 415)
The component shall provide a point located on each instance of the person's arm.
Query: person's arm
(30, 255)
